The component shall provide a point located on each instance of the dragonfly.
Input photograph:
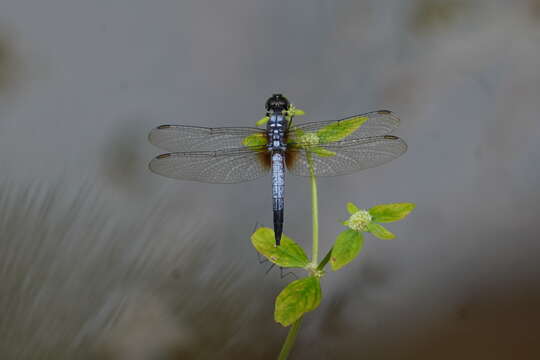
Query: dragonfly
(237, 154)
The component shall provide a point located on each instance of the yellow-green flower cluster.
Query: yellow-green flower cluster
(359, 221)
(308, 139)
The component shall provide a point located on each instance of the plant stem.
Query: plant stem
(293, 331)
(289, 342)
(314, 210)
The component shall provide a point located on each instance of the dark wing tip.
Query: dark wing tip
(153, 162)
(400, 140)
(389, 114)
(155, 132)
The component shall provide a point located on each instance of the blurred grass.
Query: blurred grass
(77, 283)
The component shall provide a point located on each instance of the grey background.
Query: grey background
(99, 258)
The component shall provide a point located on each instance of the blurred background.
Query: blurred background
(100, 259)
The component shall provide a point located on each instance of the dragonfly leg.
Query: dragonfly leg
(283, 276)
(263, 260)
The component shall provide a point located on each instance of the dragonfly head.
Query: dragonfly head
(276, 104)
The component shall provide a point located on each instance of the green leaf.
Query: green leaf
(263, 121)
(351, 208)
(298, 112)
(296, 299)
(347, 247)
(256, 139)
(380, 231)
(390, 212)
(321, 151)
(340, 129)
(288, 254)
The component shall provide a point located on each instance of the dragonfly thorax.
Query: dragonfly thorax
(275, 130)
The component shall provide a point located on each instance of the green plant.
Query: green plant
(304, 295)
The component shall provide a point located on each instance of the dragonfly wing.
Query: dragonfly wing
(350, 156)
(222, 167)
(180, 138)
(375, 123)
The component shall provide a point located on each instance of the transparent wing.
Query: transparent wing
(350, 156)
(378, 123)
(194, 138)
(224, 167)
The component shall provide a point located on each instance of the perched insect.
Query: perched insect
(238, 154)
